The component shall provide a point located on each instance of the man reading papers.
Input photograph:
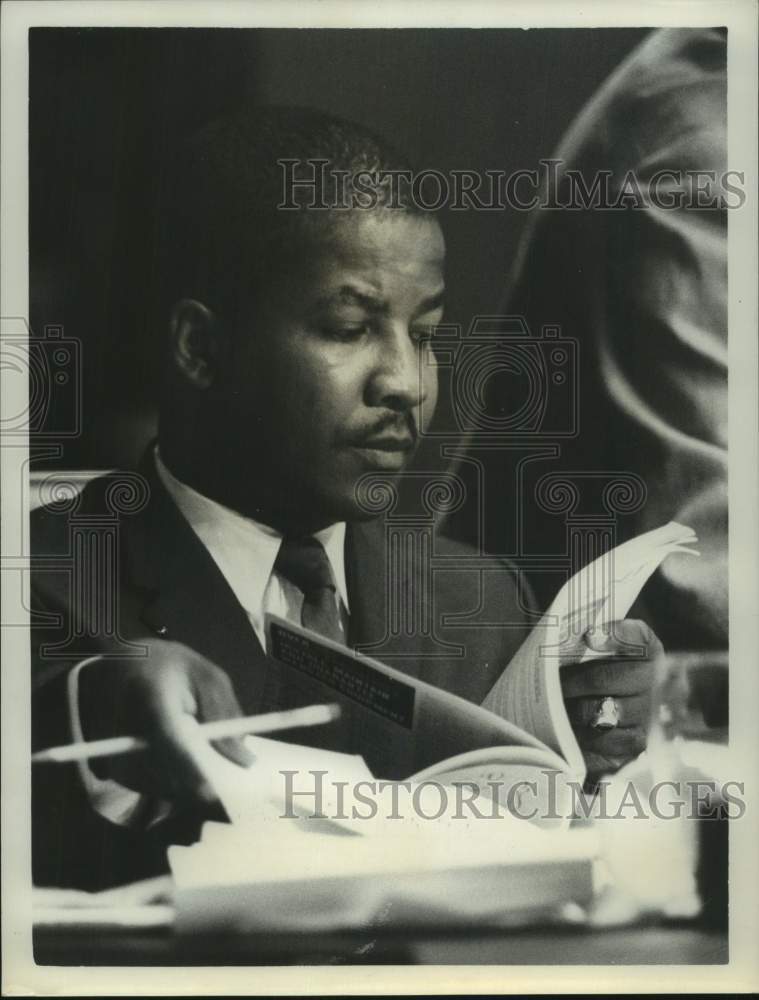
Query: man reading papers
(295, 364)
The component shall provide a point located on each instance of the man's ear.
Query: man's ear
(196, 342)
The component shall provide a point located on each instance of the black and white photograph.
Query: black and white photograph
(380, 547)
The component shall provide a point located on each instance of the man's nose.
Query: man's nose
(398, 381)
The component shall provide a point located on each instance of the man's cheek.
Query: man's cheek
(429, 386)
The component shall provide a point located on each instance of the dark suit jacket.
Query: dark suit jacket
(170, 588)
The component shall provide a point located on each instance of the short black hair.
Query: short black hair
(224, 230)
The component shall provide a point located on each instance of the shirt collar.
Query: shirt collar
(244, 549)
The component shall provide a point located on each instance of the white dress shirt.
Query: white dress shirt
(245, 551)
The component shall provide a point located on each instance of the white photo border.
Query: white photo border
(20, 975)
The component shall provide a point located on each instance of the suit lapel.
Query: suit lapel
(366, 578)
(185, 598)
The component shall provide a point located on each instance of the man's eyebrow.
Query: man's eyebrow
(350, 295)
(430, 304)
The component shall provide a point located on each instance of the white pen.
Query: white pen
(312, 715)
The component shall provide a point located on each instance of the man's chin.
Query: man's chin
(369, 498)
(350, 494)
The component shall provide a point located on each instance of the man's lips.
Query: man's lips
(386, 442)
(385, 449)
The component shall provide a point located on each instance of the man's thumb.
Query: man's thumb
(601, 638)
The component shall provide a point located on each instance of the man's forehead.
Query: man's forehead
(378, 234)
(373, 299)
(360, 252)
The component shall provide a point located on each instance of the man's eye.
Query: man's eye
(345, 334)
(420, 332)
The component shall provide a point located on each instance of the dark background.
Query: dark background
(106, 108)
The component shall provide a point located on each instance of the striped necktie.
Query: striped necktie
(304, 563)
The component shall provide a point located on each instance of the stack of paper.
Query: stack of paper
(270, 869)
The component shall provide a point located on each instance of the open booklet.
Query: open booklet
(353, 859)
(407, 729)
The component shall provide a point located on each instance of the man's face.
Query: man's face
(329, 384)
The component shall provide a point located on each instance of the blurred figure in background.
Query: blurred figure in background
(644, 291)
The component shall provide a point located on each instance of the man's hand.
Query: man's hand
(627, 677)
(154, 698)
